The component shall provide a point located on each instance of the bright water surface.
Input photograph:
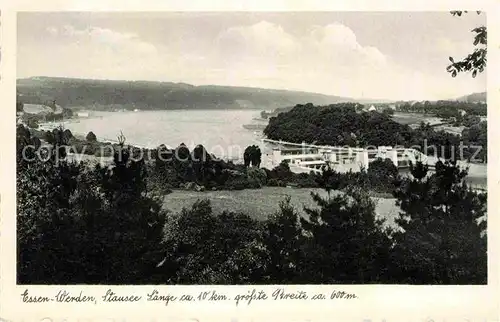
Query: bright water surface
(220, 131)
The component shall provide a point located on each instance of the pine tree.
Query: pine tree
(78, 224)
(130, 223)
(284, 242)
(346, 242)
(203, 248)
(45, 224)
(442, 240)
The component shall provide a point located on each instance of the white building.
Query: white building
(312, 158)
(83, 114)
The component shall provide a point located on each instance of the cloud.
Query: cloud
(458, 49)
(262, 44)
(335, 35)
(260, 37)
(323, 58)
(327, 59)
(335, 48)
(93, 52)
(334, 42)
(96, 36)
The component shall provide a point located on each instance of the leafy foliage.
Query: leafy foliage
(252, 156)
(382, 173)
(347, 242)
(476, 61)
(91, 137)
(335, 125)
(284, 241)
(444, 109)
(206, 249)
(477, 135)
(341, 125)
(257, 177)
(388, 111)
(78, 224)
(442, 239)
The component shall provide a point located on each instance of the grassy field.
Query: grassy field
(260, 203)
(413, 118)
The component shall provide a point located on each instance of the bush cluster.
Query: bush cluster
(101, 225)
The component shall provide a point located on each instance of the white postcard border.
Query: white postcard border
(375, 302)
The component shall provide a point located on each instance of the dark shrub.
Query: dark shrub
(91, 137)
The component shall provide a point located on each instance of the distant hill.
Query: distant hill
(473, 98)
(148, 95)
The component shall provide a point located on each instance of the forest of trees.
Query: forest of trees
(343, 125)
(149, 95)
(444, 109)
(102, 225)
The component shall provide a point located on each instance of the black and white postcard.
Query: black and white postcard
(246, 162)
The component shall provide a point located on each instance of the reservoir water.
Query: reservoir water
(221, 132)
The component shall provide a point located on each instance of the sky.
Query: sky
(377, 55)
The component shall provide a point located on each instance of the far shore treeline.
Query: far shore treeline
(109, 95)
(85, 222)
